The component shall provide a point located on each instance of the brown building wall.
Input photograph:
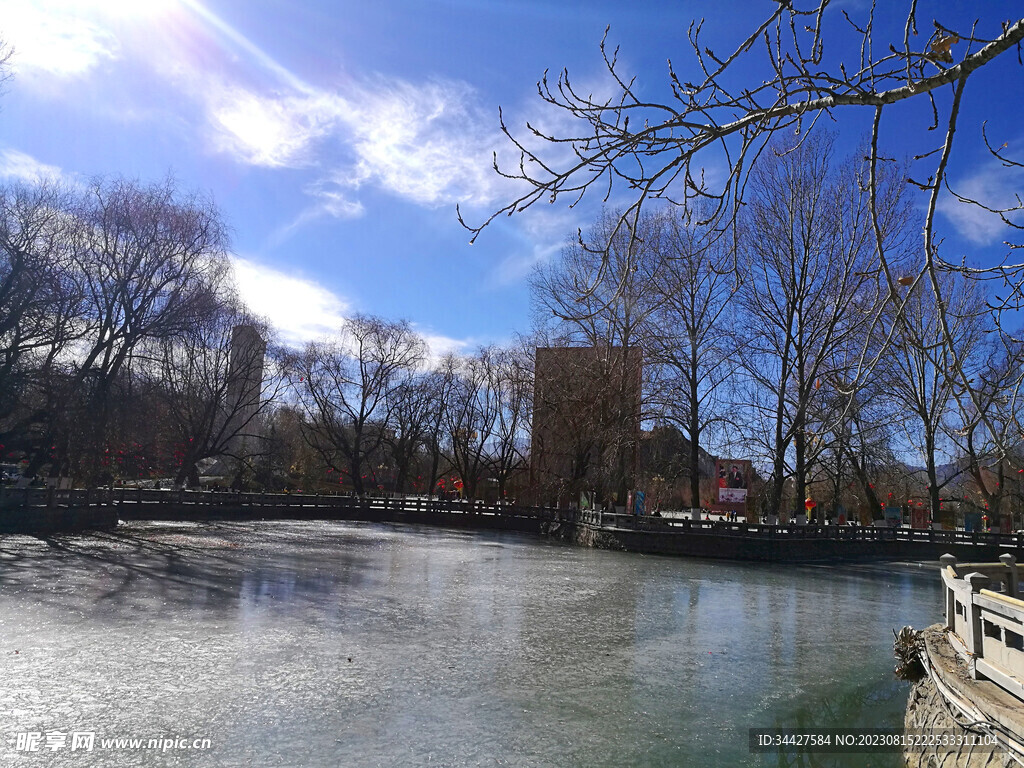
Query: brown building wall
(586, 421)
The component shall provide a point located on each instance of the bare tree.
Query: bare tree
(688, 338)
(510, 377)
(39, 300)
(655, 149)
(808, 296)
(149, 263)
(918, 376)
(413, 405)
(471, 413)
(859, 445)
(215, 390)
(439, 383)
(614, 312)
(999, 388)
(346, 390)
(6, 60)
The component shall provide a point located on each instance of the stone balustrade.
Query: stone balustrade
(985, 619)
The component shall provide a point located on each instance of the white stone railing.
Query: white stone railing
(985, 619)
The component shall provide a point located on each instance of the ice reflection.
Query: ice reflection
(344, 644)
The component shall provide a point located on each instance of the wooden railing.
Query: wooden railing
(985, 619)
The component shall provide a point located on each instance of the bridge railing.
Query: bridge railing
(802, 532)
(411, 505)
(985, 619)
(28, 498)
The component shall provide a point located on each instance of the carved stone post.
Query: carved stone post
(1012, 577)
(950, 601)
(976, 642)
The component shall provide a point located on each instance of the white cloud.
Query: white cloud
(22, 167)
(421, 142)
(333, 203)
(302, 310)
(268, 130)
(424, 142)
(440, 345)
(329, 202)
(994, 186)
(427, 142)
(55, 39)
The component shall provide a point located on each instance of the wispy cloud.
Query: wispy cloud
(540, 237)
(302, 310)
(271, 130)
(441, 345)
(329, 202)
(425, 142)
(428, 142)
(333, 201)
(22, 167)
(422, 142)
(64, 43)
(994, 186)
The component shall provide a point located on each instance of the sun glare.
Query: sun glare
(129, 9)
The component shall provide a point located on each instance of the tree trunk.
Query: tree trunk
(694, 430)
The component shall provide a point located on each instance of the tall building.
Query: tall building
(586, 422)
(244, 387)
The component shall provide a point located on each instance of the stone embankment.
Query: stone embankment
(948, 701)
(783, 544)
(46, 521)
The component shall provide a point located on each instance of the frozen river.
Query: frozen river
(337, 644)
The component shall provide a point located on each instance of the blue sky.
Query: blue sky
(337, 137)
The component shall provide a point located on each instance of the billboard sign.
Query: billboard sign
(733, 481)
